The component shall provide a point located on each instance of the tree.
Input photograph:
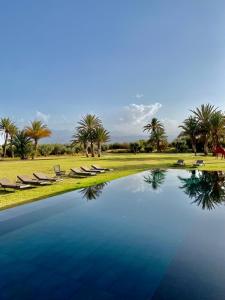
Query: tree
(191, 129)
(217, 122)
(5, 125)
(157, 133)
(45, 149)
(204, 114)
(22, 143)
(88, 125)
(36, 131)
(101, 136)
(12, 132)
(153, 126)
(158, 138)
(135, 147)
(81, 138)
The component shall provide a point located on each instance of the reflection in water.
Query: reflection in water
(156, 178)
(93, 192)
(206, 188)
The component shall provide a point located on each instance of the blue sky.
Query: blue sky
(125, 60)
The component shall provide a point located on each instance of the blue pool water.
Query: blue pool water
(155, 235)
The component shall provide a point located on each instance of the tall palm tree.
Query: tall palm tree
(154, 125)
(89, 123)
(12, 132)
(191, 129)
(157, 138)
(81, 138)
(203, 115)
(217, 121)
(101, 136)
(36, 131)
(5, 125)
(157, 132)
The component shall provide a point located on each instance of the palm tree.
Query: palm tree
(22, 144)
(217, 122)
(5, 125)
(89, 123)
(12, 132)
(157, 138)
(157, 132)
(36, 131)
(154, 125)
(101, 136)
(81, 138)
(203, 115)
(191, 129)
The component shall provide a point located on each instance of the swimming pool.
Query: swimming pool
(159, 234)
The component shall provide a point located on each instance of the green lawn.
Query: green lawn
(123, 165)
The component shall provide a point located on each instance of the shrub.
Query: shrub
(45, 149)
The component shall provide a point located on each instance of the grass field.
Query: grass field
(123, 165)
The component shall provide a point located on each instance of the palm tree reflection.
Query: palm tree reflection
(156, 178)
(93, 192)
(207, 189)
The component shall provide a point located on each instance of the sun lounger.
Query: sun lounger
(44, 177)
(58, 171)
(96, 167)
(6, 184)
(87, 169)
(79, 172)
(180, 163)
(28, 180)
(199, 163)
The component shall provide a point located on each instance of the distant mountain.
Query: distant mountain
(64, 136)
(59, 137)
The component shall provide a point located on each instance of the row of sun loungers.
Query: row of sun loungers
(181, 163)
(27, 182)
(85, 171)
(41, 179)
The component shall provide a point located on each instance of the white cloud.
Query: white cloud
(134, 116)
(172, 129)
(138, 184)
(42, 116)
(139, 96)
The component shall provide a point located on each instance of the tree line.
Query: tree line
(206, 125)
(89, 136)
(202, 131)
(24, 141)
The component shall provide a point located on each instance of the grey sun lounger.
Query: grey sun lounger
(87, 169)
(79, 172)
(5, 183)
(96, 167)
(199, 163)
(43, 177)
(58, 171)
(28, 180)
(180, 162)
